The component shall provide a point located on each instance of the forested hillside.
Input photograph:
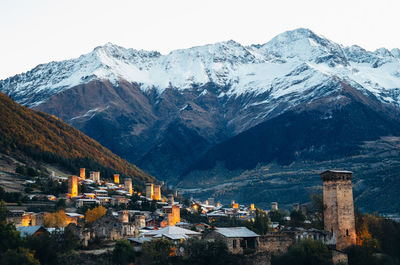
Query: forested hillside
(41, 137)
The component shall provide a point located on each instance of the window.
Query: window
(347, 232)
(234, 243)
(243, 243)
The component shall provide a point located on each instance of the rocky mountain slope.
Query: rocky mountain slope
(165, 112)
(31, 135)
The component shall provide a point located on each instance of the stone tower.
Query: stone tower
(171, 199)
(73, 186)
(140, 221)
(116, 178)
(156, 192)
(123, 216)
(128, 185)
(149, 191)
(339, 207)
(95, 176)
(82, 173)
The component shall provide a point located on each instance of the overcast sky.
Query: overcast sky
(40, 31)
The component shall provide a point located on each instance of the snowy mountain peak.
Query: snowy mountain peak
(304, 45)
(383, 52)
(290, 64)
(395, 52)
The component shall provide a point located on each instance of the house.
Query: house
(109, 227)
(74, 217)
(81, 202)
(237, 239)
(118, 200)
(280, 240)
(33, 230)
(173, 233)
(137, 242)
(22, 218)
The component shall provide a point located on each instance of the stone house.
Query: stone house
(279, 242)
(237, 239)
(22, 218)
(107, 228)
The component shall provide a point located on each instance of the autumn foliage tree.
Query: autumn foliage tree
(92, 215)
(57, 219)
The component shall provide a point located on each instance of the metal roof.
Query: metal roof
(171, 232)
(235, 232)
(28, 230)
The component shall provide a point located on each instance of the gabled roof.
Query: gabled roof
(29, 230)
(235, 232)
(172, 232)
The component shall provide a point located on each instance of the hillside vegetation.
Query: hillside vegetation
(41, 137)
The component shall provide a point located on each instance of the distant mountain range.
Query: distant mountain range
(220, 114)
(33, 137)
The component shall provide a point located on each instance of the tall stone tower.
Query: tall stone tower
(73, 186)
(140, 221)
(149, 191)
(339, 207)
(116, 178)
(95, 176)
(82, 173)
(128, 185)
(123, 216)
(157, 192)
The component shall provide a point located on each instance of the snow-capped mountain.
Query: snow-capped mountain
(159, 110)
(289, 64)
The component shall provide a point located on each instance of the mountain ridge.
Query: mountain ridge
(203, 64)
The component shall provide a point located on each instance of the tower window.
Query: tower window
(347, 232)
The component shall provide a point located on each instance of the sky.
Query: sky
(39, 31)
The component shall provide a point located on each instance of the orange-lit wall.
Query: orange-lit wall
(73, 186)
(116, 178)
(157, 192)
(82, 173)
(175, 215)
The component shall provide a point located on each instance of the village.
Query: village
(106, 209)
